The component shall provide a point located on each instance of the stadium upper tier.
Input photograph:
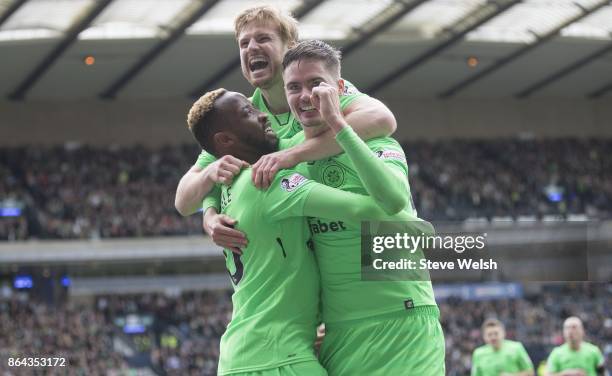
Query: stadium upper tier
(68, 192)
(117, 49)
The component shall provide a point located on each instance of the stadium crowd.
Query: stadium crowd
(183, 338)
(75, 332)
(85, 192)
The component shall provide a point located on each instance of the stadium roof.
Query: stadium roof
(420, 48)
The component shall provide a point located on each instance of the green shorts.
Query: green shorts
(307, 368)
(405, 343)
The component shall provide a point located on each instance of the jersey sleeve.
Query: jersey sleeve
(296, 139)
(350, 88)
(524, 361)
(386, 187)
(552, 363)
(390, 153)
(287, 195)
(599, 358)
(204, 159)
(213, 198)
(475, 364)
(350, 93)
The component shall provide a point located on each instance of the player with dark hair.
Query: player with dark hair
(275, 278)
(264, 34)
(398, 320)
(500, 356)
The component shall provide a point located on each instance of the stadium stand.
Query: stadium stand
(183, 336)
(86, 192)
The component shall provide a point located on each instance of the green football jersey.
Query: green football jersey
(285, 125)
(511, 358)
(588, 358)
(345, 296)
(276, 280)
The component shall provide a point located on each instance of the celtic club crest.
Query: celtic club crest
(333, 176)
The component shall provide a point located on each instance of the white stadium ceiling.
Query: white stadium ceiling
(411, 48)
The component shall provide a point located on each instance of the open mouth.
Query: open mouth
(307, 108)
(257, 63)
(268, 127)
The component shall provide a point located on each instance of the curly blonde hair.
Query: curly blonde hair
(197, 116)
(286, 24)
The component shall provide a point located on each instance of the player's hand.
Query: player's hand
(268, 165)
(225, 168)
(320, 337)
(220, 228)
(325, 99)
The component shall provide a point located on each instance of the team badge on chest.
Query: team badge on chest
(333, 176)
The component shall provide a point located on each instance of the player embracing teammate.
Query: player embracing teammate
(373, 327)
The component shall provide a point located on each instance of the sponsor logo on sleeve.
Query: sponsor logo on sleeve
(292, 182)
(391, 154)
(349, 89)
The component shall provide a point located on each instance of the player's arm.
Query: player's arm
(201, 179)
(388, 189)
(369, 118)
(475, 366)
(198, 189)
(524, 362)
(293, 195)
(327, 202)
(600, 361)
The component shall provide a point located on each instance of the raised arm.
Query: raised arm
(369, 118)
(388, 189)
(200, 180)
(198, 189)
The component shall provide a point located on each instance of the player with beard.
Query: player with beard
(275, 279)
(264, 34)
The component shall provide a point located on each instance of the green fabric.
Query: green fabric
(588, 358)
(408, 343)
(511, 357)
(327, 202)
(276, 281)
(212, 199)
(308, 368)
(387, 188)
(284, 125)
(286, 143)
(345, 296)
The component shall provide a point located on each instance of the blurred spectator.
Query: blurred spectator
(86, 192)
(184, 337)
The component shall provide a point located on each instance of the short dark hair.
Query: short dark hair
(316, 50)
(199, 119)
